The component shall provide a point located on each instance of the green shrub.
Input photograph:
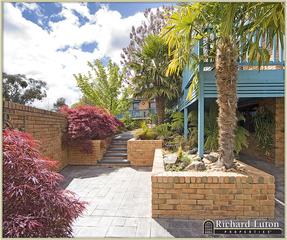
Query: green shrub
(211, 129)
(128, 121)
(145, 133)
(264, 129)
(180, 165)
(177, 122)
(211, 132)
(153, 118)
(179, 153)
(163, 131)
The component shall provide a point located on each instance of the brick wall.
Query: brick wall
(202, 195)
(144, 104)
(141, 152)
(78, 157)
(279, 132)
(45, 126)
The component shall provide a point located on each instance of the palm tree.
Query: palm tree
(150, 80)
(228, 27)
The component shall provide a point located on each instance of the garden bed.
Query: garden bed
(213, 195)
(77, 157)
(141, 152)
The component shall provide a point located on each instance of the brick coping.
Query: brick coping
(251, 174)
(140, 140)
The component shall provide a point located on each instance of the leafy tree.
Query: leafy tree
(150, 80)
(86, 123)
(34, 205)
(154, 22)
(20, 89)
(228, 27)
(104, 87)
(60, 102)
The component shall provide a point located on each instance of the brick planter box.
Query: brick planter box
(77, 157)
(211, 195)
(141, 152)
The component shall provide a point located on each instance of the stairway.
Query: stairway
(116, 155)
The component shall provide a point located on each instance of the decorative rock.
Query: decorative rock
(206, 161)
(193, 151)
(196, 165)
(170, 159)
(213, 156)
(196, 158)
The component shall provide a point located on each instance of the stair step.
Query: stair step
(112, 161)
(117, 149)
(121, 138)
(115, 154)
(119, 142)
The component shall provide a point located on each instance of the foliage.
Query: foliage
(180, 165)
(153, 118)
(247, 22)
(177, 122)
(211, 129)
(163, 130)
(211, 132)
(20, 89)
(145, 133)
(146, 59)
(87, 123)
(34, 205)
(152, 25)
(149, 79)
(264, 128)
(241, 139)
(60, 102)
(223, 29)
(179, 153)
(104, 87)
(129, 122)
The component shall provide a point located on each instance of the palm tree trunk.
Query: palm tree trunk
(226, 78)
(160, 108)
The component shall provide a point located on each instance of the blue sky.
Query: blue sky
(54, 41)
(50, 12)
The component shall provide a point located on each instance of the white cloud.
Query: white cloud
(31, 50)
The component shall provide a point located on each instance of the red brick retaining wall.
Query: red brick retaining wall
(78, 157)
(202, 195)
(46, 126)
(279, 132)
(141, 152)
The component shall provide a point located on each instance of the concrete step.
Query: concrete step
(121, 138)
(117, 149)
(115, 154)
(119, 142)
(113, 161)
(117, 146)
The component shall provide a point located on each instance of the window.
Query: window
(135, 106)
(152, 105)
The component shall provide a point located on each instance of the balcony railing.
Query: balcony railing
(139, 114)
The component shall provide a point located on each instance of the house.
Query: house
(254, 88)
(142, 108)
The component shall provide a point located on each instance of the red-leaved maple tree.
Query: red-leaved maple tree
(34, 205)
(87, 123)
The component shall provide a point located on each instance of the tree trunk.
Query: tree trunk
(160, 109)
(226, 78)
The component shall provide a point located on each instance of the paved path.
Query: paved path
(120, 205)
